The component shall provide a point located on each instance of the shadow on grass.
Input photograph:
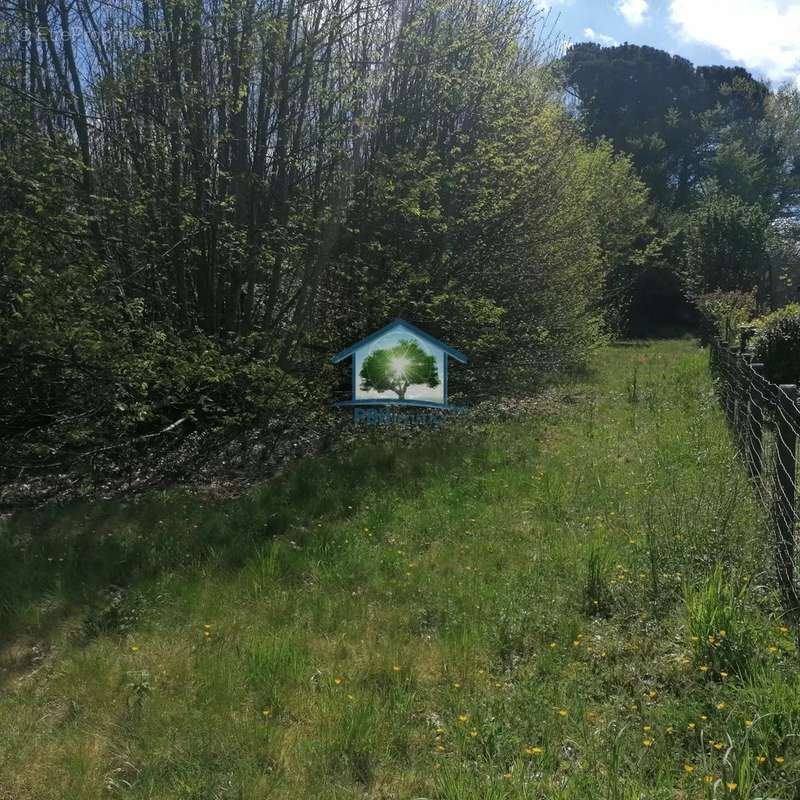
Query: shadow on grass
(74, 560)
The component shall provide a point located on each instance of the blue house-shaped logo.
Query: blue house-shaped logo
(399, 365)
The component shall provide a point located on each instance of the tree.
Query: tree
(406, 364)
(668, 115)
(726, 243)
(644, 101)
(783, 116)
(265, 180)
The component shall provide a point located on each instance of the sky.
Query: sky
(761, 35)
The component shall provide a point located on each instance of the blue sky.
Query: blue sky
(761, 35)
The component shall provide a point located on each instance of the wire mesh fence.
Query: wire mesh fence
(764, 418)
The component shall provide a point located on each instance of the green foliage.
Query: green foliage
(414, 625)
(777, 344)
(718, 151)
(729, 311)
(722, 640)
(160, 278)
(396, 369)
(597, 596)
(726, 244)
(667, 113)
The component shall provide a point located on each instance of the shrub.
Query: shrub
(777, 344)
(729, 311)
(726, 241)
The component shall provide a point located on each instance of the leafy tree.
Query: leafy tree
(644, 101)
(206, 200)
(670, 116)
(783, 120)
(718, 151)
(396, 369)
(726, 244)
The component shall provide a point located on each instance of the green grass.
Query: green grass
(573, 604)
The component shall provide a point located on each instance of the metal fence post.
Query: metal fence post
(785, 514)
(741, 374)
(728, 391)
(755, 423)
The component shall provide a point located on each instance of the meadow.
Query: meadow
(573, 602)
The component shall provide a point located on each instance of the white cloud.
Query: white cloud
(600, 38)
(634, 11)
(764, 35)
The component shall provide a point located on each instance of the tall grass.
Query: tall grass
(512, 609)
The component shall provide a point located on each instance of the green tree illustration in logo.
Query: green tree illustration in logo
(399, 367)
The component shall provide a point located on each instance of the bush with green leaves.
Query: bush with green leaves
(726, 244)
(147, 285)
(777, 344)
(729, 311)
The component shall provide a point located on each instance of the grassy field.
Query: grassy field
(572, 604)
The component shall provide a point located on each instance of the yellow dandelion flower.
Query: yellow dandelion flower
(779, 759)
(134, 648)
(648, 742)
(463, 717)
(731, 786)
(562, 712)
(206, 627)
(723, 675)
(691, 726)
(703, 668)
(473, 733)
(350, 697)
(723, 633)
(670, 729)
(748, 723)
(783, 629)
(709, 778)
(534, 751)
(695, 638)
(456, 685)
(267, 712)
(440, 748)
(652, 695)
(703, 717)
(395, 668)
(337, 680)
(761, 759)
(647, 728)
(772, 649)
(507, 776)
(717, 745)
(720, 706)
(688, 768)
